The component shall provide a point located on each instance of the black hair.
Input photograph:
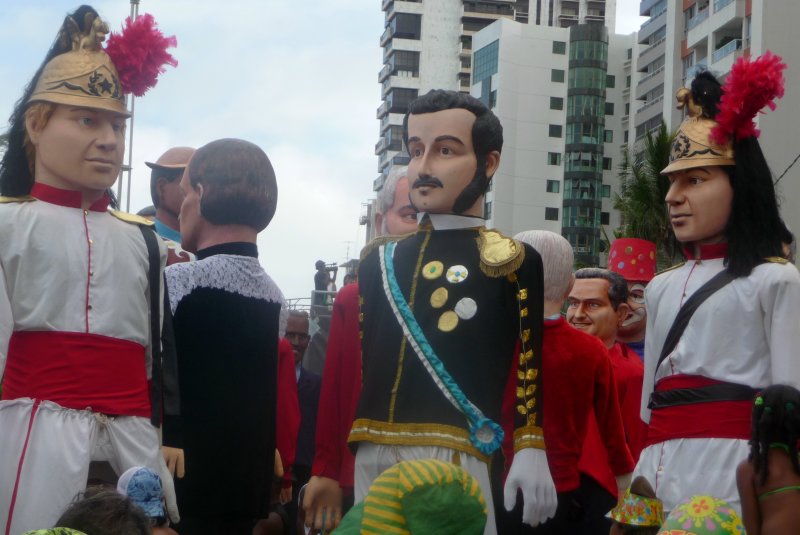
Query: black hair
(16, 178)
(239, 186)
(105, 512)
(170, 175)
(755, 229)
(487, 136)
(617, 286)
(776, 420)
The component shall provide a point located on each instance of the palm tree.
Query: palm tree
(642, 189)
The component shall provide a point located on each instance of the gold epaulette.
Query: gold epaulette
(676, 266)
(131, 218)
(9, 200)
(500, 255)
(776, 260)
(382, 240)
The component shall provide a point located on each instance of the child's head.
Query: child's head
(638, 512)
(776, 420)
(105, 513)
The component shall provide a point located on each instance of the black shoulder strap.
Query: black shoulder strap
(154, 279)
(687, 311)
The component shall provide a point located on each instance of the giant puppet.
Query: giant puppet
(723, 324)
(442, 312)
(80, 287)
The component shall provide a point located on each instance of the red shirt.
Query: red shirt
(628, 375)
(578, 386)
(341, 387)
(288, 410)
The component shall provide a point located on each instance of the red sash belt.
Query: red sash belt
(78, 371)
(698, 419)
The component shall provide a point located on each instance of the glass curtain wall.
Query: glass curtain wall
(583, 158)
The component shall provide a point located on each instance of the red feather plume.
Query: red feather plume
(749, 87)
(140, 54)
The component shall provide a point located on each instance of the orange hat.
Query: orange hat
(633, 258)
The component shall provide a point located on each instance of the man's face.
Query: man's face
(589, 309)
(191, 220)
(635, 323)
(699, 202)
(401, 218)
(443, 160)
(79, 149)
(297, 334)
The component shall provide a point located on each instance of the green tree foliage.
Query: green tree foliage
(642, 189)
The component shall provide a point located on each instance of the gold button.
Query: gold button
(433, 270)
(439, 297)
(91, 241)
(448, 321)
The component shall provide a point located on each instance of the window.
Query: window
(557, 75)
(605, 191)
(485, 62)
(605, 218)
(555, 130)
(406, 25)
(628, 81)
(625, 136)
(487, 210)
(556, 103)
(399, 98)
(627, 108)
(607, 164)
(559, 47)
(608, 136)
(553, 158)
(630, 53)
(610, 80)
(609, 108)
(551, 214)
(553, 186)
(404, 63)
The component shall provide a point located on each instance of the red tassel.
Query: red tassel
(749, 87)
(140, 54)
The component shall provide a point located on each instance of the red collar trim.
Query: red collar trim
(67, 198)
(708, 252)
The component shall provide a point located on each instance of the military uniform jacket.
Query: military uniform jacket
(477, 296)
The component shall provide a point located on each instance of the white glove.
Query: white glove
(529, 472)
(623, 482)
(169, 492)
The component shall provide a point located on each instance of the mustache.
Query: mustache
(427, 180)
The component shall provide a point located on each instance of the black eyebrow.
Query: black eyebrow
(449, 138)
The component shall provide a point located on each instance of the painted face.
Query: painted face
(170, 195)
(297, 334)
(79, 149)
(635, 322)
(190, 217)
(589, 309)
(699, 202)
(401, 218)
(443, 160)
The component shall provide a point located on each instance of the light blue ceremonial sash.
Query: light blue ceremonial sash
(484, 434)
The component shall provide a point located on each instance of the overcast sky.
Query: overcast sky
(300, 79)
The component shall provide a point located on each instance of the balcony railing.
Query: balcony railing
(720, 4)
(650, 75)
(729, 48)
(697, 19)
(652, 19)
(650, 103)
(383, 109)
(649, 48)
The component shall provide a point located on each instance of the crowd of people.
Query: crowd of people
(473, 383)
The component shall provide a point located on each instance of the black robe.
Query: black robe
(226, 315)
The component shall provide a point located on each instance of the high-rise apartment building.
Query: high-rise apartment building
(563, 96)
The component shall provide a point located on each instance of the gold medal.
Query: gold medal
(448, 321)
(433, 270)
(439, 297)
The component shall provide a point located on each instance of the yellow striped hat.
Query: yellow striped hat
(419, 497)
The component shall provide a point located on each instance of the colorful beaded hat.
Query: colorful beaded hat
(415, 497)
(703, 515)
